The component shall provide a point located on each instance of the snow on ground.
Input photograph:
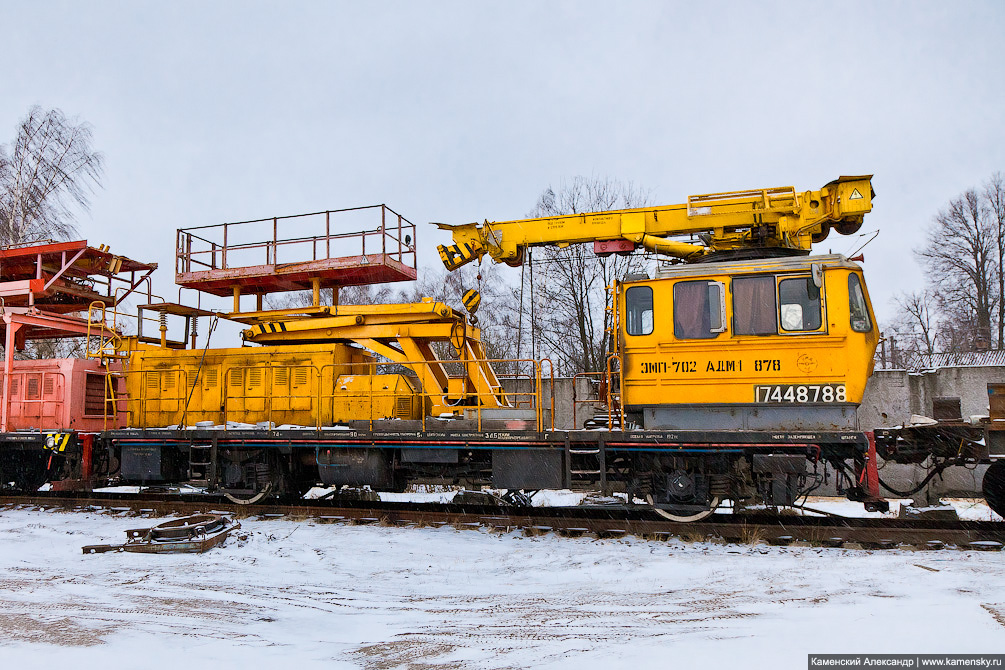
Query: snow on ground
(968, 509)
(308, 595)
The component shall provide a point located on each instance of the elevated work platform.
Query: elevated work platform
(42, 285)
(63, 277)
(345, 247)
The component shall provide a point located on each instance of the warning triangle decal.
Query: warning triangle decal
(855, 195)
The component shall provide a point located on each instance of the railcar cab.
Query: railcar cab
(770, 344)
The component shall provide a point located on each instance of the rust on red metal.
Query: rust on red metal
(43, 283)
(34, 325)
(63, 277)
(251, 255)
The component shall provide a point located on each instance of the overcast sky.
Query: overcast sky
(221, 111)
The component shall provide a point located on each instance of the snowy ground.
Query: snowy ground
(306, 595)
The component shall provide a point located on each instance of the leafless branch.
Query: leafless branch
(46, 175)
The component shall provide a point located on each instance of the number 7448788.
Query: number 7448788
(800, 393)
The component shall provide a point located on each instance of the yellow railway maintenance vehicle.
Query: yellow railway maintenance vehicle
(774, 344)
(750, 333)
(733, 376)
(748, 336)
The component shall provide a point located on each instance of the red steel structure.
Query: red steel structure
(44, 286)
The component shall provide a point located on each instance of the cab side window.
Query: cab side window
(799, 304)
(639, 310)
(858, 310)
(754, 308)
(697, 310)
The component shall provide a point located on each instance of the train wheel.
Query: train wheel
(246, 497)
(684, 513)
(249, 477)
(993, 487)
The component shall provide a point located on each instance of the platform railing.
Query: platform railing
(609, 394)
(467, 399)
(137, 403)
(20, 402)
(226, 246)
(307, 395)
(597, 378)
(299, 402)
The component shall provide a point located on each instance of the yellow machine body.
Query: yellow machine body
(752, 339)
(375, 397)
(404, 334)
(290, 384)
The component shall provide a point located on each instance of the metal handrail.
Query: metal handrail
(576, 402)
(392, 240)
(611, 398)
(321, 402)
(20, 376)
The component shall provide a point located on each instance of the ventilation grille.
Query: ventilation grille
(95, 402)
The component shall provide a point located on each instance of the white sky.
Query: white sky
(455, 112)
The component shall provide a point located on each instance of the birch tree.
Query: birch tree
(47, 175)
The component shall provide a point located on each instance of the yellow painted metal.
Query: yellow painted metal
(759, 218)
(305, 385)
(247, 384)
(375, 396)
(406, 334)
(659, 368)
(102, 339)
(374, 313)
(471, 299)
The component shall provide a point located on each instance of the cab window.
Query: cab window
(697, 310)
(754, 306)
(799, 304)
(639, 310)
(858, 310)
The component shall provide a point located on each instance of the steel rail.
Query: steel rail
(600, 520)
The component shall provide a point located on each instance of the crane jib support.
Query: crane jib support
(768, 221)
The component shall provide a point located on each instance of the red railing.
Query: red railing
(226, 245)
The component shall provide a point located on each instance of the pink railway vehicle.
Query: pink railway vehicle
(63, 394)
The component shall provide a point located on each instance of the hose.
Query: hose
(906, 494)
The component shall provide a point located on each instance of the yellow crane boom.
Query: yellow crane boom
(776, 219)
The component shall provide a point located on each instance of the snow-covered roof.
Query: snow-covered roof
(968, 359)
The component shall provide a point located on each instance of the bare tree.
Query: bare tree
(567, 318)
(961, 264)
(48, 172)
(994, 198)
(914, 333)
(71, 347)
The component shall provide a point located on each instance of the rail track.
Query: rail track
(601, 521)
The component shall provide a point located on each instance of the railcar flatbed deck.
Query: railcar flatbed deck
(494, 437)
